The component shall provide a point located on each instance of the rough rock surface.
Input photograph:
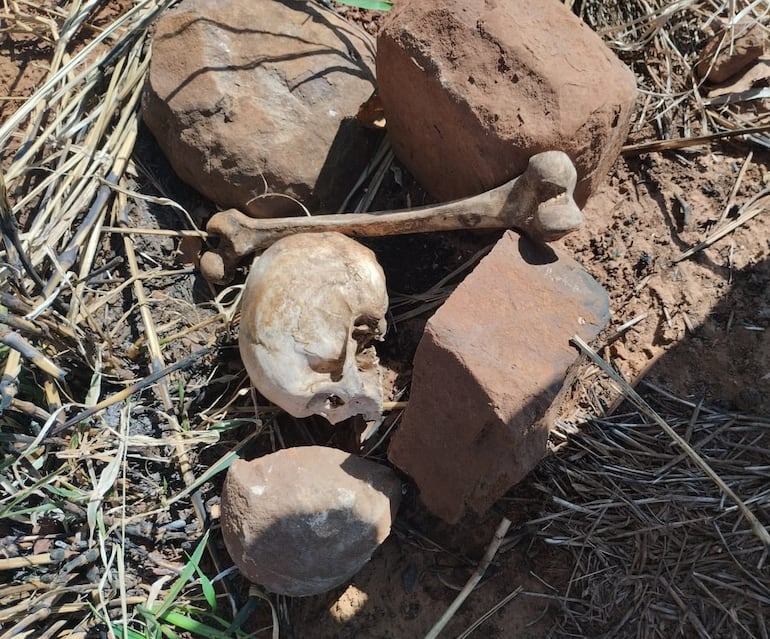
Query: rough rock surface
(472, 89)
(489, 365)
(301, 521)
(732, 51)
(245, 95)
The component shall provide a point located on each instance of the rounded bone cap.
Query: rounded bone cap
(304, 520)
(313, 304)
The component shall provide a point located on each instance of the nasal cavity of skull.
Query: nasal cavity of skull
(323, 403)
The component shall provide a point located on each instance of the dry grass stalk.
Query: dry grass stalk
(662, 42)
(426, 302)
(108, 458)
(76, 135)
(659, 549)
(474, 579)
(631, 395)
(751, 209)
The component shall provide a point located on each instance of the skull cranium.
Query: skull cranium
(312, 305)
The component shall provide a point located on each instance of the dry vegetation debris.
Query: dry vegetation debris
(660, 550)
(119, 410)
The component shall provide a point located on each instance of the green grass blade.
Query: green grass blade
(244, 614)
(221, 465)
(185, 576)
(372, 5)
(194, 626)
(168, 632)
(130, 634)
(208, 589)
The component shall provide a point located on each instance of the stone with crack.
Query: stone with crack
(253, 102)
(301, 521)
(313, 305)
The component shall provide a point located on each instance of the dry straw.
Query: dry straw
(73, 457)
(665, 519)
(99, 455)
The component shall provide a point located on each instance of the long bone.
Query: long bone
(538, 202)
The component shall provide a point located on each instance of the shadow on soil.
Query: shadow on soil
(415, 575)
(713, 361)
(417, 572)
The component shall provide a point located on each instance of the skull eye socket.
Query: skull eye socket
(333, 401)
(366, 329)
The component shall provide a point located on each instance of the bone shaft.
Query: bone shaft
(483, 213)
(539, 203)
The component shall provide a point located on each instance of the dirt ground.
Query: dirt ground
(708, 313)
(699, 329)
(701, 334)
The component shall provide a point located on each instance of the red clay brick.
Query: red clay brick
(487, 369)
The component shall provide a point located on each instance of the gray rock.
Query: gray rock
(301, 521)
(248, 94)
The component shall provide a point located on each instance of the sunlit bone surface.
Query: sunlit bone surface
(538, 202)
(313, 304)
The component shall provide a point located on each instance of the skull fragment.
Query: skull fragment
(313, 305)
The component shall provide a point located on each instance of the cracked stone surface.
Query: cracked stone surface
(245, 96)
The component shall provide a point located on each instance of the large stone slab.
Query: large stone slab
(472, 89)
(490, 363)
(301, 521)
(245, 96)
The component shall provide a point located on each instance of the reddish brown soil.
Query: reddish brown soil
(703, 336)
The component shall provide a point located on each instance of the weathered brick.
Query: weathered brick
(472, 89)
(487, 369)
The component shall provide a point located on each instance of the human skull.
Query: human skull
(312, 305)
